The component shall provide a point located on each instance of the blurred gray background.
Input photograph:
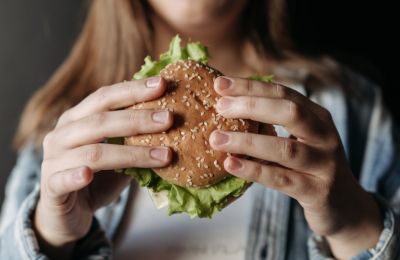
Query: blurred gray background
(35, 37)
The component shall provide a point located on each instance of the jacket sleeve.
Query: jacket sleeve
(17, 237)
(380, 175)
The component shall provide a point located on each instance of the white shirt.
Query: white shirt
(152, 234)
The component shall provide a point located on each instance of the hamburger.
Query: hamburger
(195, 182)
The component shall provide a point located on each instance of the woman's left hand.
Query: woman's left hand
(311, 168)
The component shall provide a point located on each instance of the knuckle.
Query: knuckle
(325, 191)
(48, 139)
(93, 153)
(133, 89)
(249, 86)
(288, 150)
(49, 187)
(326, 115)
(98, 119)
(331, 167)
(133, 156)
(251, 104)
(257, 172)
(329, 180)
(47, 180)
(336, 143)
(45, 167)
(100, 95)
(64, 116)
(248, 140)
(280, 180)
(136, 123)
(133, 117)
(281, 91)
(333, 145)
(295, 111)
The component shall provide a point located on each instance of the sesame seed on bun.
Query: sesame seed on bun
(191, 97)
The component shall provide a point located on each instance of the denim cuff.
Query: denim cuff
(19, 240)
(387, 247)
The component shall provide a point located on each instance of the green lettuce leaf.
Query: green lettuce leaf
(196, 202)
(264, 78)
(194, 51)
(197, 52)
(204, 202)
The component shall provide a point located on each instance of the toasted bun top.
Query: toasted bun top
(191, 97)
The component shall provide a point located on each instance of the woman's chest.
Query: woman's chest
(152, 234)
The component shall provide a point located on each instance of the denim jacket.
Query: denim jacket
(278, 228)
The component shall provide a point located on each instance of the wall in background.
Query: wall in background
(35, 38)
(357, 33)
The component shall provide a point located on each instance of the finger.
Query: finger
(294, 184)
(109, 156)
(230, 86)
(60, 184)
(297, 119)
(97, 127)
(284, 151)
(117, 96)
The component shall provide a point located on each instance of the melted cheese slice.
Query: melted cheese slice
(160, 199)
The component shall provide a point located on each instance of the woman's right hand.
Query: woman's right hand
(77, 176)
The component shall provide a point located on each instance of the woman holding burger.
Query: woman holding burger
(332, 190)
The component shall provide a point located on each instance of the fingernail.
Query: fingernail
(224, 83)
(153, 82)
(160, 154)
(160, 117)
(234, 164)
(219, 138)
(224, 103)
(78, 175)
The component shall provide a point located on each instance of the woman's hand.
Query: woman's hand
(77, 176)
(310, 168)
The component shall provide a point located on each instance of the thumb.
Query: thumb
(60, 184)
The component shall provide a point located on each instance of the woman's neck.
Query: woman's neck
(228, 48)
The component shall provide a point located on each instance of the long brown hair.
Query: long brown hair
(115, 38)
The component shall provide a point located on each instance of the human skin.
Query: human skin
(77, 177)
(311, 167)
(313, 170)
